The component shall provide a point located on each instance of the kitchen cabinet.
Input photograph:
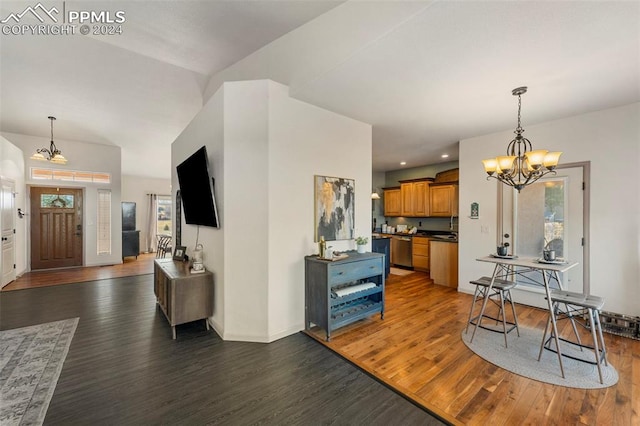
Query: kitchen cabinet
(341, 292)
(392, 202)
(443, 200)
(421, 253)
(415, 198)
(444, 263)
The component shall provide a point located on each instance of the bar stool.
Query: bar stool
(502, 290)
(576, 305)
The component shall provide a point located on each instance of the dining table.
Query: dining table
(532, 271)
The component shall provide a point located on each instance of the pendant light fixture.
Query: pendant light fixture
(522, 165)
(52, 154)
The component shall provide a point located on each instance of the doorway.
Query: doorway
(7, 230)
(56, 227)
(552, 213)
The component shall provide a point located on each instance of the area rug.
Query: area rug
(400, 272)
(31, 360)
(521, 357)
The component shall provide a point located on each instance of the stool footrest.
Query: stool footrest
(601, 353)
(498, 284)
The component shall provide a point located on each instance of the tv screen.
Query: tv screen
(196, 190)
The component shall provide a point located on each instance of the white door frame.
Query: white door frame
(8, 231)
(506, 218)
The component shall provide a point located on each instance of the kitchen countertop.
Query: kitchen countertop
(434, 235)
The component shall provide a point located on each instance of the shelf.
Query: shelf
(354, 313)
(335, 301)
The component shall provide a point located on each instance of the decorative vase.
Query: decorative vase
(361, 248)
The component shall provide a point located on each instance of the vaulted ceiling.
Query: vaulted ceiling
(425, 74)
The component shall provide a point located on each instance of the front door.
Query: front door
(7, 230)
(56, 228)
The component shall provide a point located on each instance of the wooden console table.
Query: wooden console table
(182, 296)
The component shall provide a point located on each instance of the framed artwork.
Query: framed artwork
(179, 253)
(334, 208)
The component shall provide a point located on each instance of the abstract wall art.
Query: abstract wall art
(334, 208)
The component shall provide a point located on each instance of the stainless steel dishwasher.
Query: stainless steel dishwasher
(401, 251)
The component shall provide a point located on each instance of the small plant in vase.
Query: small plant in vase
(503, 249)
(361, 242)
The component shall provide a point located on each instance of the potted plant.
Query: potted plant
(361, 242)
(503, 248)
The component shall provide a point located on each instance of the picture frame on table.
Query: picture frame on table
(180, 253)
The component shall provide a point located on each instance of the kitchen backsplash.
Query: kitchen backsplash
(427, 224)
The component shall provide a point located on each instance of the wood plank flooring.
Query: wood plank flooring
(124, 368)
(417, 350)
(130, 267)
(135, 373)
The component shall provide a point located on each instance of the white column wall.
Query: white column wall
(610, 140)
(247, 260)
(264, 149)
(305, 140)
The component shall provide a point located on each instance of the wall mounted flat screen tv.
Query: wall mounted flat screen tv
(196, 189)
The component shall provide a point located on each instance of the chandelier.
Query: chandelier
(52, 154)
(522, 165)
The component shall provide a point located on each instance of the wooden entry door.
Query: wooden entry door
(56, 227)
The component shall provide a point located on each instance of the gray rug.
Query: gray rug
(521, 357)
(31, 360)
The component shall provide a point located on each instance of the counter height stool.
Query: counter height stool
(164, 246)
(575, 306)
(502, 290)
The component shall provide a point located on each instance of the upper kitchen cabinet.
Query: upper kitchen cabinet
(392, 202)
(415, 197)
(443, 200)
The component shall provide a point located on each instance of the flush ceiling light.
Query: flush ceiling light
(402, 163)
(445, 155)
(522, 165)
(52, 154)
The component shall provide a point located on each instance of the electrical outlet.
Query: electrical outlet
(484, 229)
(419, 223)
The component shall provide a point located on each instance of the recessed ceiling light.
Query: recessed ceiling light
(445, 155)
(402, 163)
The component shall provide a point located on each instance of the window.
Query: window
(70, 175)
(540, 221)
(163, 215)
(56, 201)
(104, 221)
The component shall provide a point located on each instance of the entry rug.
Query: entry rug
(31, 360)
(521, 357)
(401, 272)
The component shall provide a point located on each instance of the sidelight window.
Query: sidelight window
(104, 221)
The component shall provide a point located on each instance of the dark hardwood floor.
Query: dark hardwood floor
(124, 368)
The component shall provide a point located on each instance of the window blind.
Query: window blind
(104, 221)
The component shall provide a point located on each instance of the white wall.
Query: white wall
(304, 141)
(12, 168)
(610, 140)
(272, 147)
(206, 129)
(84, 157)
(135, 189)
